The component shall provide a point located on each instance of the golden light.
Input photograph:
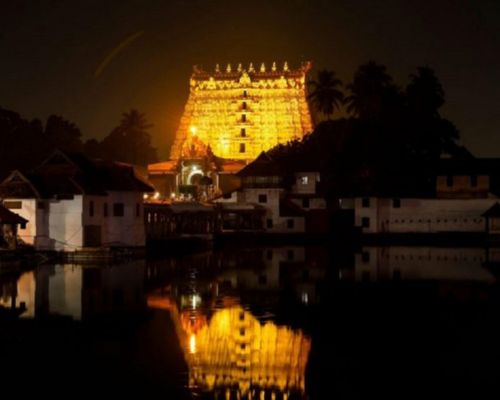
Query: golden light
(145, 196)
(192, 344)
(156, 196)
(276, 112)
(236, 349)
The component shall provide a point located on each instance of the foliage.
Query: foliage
(393, 140)
(129, 142)
(325, 94)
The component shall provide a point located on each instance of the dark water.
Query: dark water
(258, 323)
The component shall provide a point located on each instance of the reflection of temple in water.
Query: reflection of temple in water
(237, 357)
(233, 355)
(230, 353)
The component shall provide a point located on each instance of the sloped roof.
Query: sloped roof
(232, 167)
(263, 165)
(289, 209)
(63, 174)
(18, 186)
(163, 167)
(493, 211)
(8, 217)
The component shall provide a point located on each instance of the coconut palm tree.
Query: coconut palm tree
(325, 94)
(425, 93)
(130, 141)
(369, 89)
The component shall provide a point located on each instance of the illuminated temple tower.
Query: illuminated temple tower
(241, 112)
(231, 116)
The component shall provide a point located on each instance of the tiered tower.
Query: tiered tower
(241, 112)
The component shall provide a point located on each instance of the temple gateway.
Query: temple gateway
(231, 116)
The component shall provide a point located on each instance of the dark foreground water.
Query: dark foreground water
(258, 323)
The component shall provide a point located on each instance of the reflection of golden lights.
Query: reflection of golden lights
(192, 344)
(236, 350)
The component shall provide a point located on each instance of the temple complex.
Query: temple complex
(231, 116)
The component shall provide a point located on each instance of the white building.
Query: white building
(72, 203)
(289, 199)
(463, 193)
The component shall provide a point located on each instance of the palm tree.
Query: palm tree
(425, 93)
(324, 94)
(130, 141)
(134, 120)
(370, 86)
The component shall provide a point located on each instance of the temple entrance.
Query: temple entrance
(194, 178)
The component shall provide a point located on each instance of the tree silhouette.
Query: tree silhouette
(370, 89)
(325, 95)
(130, 141)
(63, 134)
(425, 93)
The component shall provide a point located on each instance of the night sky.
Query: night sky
(90, 61)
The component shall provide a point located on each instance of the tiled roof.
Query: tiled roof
(72, 174)
(8, 217)
(163, 167)
(263, 165)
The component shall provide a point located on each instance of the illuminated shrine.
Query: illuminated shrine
(240, 113)
(231, 116)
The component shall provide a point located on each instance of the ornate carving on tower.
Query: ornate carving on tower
(241, 112)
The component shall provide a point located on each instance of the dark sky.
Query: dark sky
(51, 49)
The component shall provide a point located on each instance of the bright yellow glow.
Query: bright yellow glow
(156, 195)
(236, 350)
(145, 196)
(192, 344)
(273, 103)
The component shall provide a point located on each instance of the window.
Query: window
(244, 105)
(473, 180)
(137, 210)
(269, 223)
(365, 222)
(243, 118)
(245, 93)
(365, 202)
(91, 209)
(118, 210)
(105, 210)
(290, 223)
(305, 202)
(13, 205)
(396, 203)
(304, 180)
(243, 132)
(449, 181)
(242, 147)
(242, 331)
(262, 198)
